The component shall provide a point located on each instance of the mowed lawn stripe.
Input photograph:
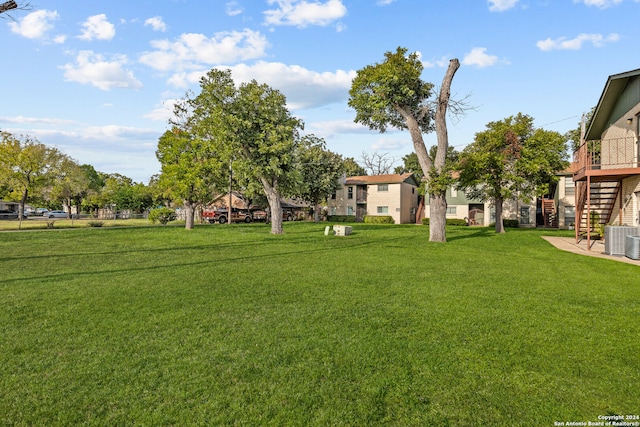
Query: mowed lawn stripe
(231, 325)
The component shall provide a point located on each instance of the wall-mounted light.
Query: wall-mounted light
(629, 120)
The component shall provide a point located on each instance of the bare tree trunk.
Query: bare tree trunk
(275, 207)
(437, 217)
(23, 201)
(189, 213)
(438, 201)
(499, 224)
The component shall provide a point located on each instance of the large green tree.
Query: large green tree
(392, 94)
(251, 126)
(353, 168)
(511, 159)
(26, 166)
(191, 170)
(71, 183)
(321, 171)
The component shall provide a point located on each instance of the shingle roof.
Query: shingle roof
(381, 179)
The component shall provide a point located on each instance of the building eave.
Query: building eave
(614, 86)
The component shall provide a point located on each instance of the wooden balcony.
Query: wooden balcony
(608, 160)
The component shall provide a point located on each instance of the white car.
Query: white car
(56, 214)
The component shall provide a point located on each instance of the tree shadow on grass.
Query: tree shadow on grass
(480, 232)
(350, 246)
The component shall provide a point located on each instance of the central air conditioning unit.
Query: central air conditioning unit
(632, 247)
(614, 238)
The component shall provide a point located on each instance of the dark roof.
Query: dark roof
(382, 179)
(615, 85)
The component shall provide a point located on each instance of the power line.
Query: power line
(561, 120)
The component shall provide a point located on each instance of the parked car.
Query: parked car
(56, 214)
(7, 214)
(221, 216)
(259, 215)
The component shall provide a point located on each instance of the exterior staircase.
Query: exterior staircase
(549, 213)
(602, 198)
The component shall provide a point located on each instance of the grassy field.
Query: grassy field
(229, 325)
(39, 223)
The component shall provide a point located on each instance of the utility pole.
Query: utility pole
(8, 5)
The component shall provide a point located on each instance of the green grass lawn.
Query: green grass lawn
(229, 325)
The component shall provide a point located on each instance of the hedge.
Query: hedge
(379, 219)
(341, 218)
(450, 221)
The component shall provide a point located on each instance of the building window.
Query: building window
(383, 209)
(333, 196)
(569, 215)
(451, 210)
(524, 215)
(333, 210)
(569, 187)
(350, 193)
(349, 210)
(383, 187)
(454, 192)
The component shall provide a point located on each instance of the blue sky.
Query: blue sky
(98, 79)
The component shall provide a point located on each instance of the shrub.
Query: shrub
(162, 215)
(341, 218)
(96, 223)
(379, 219)
(450, 221)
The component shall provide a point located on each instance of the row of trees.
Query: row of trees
(511, 158)
(32, 172)
(244, 137)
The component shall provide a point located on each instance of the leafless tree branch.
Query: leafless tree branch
(13, 5)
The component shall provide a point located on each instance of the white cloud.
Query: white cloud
(385, 2)
(478, 57)
(233, 8)
(35, 120)
(501, 5)
(303, 88)
(35, 25)
(602, 4)
(93, 69)
(192, 51)
(331, 128)
(391, 144)
(562, 43)
(156, 23)
(301, 13)
(162, 112)
(97, 27)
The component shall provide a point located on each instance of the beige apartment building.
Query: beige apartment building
(394, 195)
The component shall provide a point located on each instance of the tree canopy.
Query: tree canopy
(511, 159)
(26, 165)
(321, 170)
(251, 127)
(191, 170)
(392, 94)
